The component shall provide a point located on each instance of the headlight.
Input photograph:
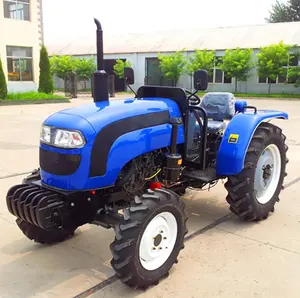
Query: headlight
(61, 137)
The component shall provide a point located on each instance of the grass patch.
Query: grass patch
(31, 96)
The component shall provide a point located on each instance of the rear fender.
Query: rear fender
(237, 137)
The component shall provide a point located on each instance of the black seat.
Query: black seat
(219, 106)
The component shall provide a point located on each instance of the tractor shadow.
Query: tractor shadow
(81, 262)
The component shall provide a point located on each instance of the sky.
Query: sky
(67, 19)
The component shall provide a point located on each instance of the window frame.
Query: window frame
(215, 67)
(16, 2)
(20, 58)
(287, 67)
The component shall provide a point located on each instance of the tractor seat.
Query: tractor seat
(219, 106)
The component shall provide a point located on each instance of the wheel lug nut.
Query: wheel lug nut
(161, 232)
(160, 248)
(165, 238)
(153, 248)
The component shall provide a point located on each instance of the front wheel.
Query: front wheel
(149, 238)
(253, 193)
(42, 236)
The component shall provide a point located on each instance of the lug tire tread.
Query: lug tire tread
(42, 236)
(240, 188)
(125, 247)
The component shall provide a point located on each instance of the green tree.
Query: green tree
(3, 86)
(172, 66)
(271, 60)
(288, 11)
(294, 10)
(46, 79)
(201, 59)
(84, 68)
(119, 67)
(237, 64)
(294, 71)
(63, 66)
(294, 74)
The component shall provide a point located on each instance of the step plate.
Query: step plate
(207, 175)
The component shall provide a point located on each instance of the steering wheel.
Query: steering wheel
(193, 98)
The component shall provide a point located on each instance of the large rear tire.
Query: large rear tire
(149, 238)
(42, 236)
(253, 193)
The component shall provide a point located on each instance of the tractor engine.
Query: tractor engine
(135, 175)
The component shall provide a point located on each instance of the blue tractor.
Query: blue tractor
(124, 164)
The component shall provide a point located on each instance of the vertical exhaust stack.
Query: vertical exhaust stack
(100, 78)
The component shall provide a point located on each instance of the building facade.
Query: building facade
(20, 40)
(142, 51)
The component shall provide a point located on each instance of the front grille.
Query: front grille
(58, 163)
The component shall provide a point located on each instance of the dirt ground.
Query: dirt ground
(223, 256)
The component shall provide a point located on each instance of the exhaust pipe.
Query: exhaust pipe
(100, 77)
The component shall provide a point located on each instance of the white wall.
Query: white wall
(25, 34)
(138, 61)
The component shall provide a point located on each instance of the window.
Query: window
(284, 78)
(16, 9)
(217, 75)
(19, 63)
(267, 80)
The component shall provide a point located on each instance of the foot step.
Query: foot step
(206, 176)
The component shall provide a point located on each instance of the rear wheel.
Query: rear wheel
(253, 193)
(149, 238)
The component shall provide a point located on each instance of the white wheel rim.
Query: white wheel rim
(158, 241)
(267, 174)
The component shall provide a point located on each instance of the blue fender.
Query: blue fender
(237, 137)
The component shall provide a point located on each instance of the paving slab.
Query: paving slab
(221, 264)
(81, 262)
(235, 259)
(212, 265)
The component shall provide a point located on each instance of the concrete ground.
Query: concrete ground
(223, 256)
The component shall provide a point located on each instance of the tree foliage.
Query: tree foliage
(237, 64)
(294, 10)
(84, 68)
(3, 85)
(173, 65)
(64, 66)
(271, 60)
(284, 12)
(46, 84)
(201, 59)
(294, 71)
(119, 67)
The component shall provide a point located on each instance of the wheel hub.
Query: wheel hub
(267, 171)
(267, 174)
(158, 241)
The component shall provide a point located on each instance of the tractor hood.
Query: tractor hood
(99, 114)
